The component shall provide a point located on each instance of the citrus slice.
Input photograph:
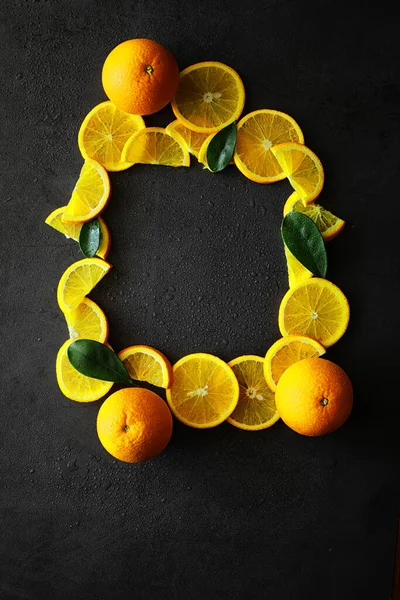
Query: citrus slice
(73, 384)
(297, 273)
(104, 133)
(285, 352)
(72, 230)
(257, 133)
(153, 146)
(192, 140)
(202, 157)
(303, 169)
(78, 280)
(90, 194)
(329, 225)
(87, 321)
(256, 406)
(210, 96)
(316, 308)
(204, 390)
(147, 364)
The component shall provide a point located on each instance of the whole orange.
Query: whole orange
(314, 396)
(134, 424)
(140, 76)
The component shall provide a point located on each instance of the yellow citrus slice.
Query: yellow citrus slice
(210, 96)
(90, 194)
(303, 169)
(192, 140)
(78, 280)
(286, 351)
(147, 364)
(297, 273)
(256, 406)
(153, 146)
(104, 133)
(316, 308)
(329, 225)
(72, 230)
(257, 133)
(204, 390)
(87, 321)
(73, 384)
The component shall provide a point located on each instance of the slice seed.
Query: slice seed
(72, 230)
(147, 364)
(73, 384)
(257, 133)
(328, 224)
(153, 146)
(286, 351)
(78, 280)
(256, 408)
(303, 169)
(204, 391)
(104, 133)
(210, 96)
(90, 195)
(316, 308)
(87, 321)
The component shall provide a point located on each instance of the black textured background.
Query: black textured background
(199, 266)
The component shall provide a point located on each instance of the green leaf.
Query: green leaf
(89, 238)
(221, 148)
(304, 240)
(98, 361)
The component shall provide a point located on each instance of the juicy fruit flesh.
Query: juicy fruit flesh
(155, 147)
(89, 191)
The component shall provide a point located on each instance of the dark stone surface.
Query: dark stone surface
(199, 266)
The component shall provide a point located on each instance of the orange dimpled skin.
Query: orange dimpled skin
(140, 76)
(314, 396)
(134, 425)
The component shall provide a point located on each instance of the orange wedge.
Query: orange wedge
(87, 321)
(147, 364)
(303, 169)
(329, 225)
(192, 140)
(210, 96)
(297, 273)
(78, 280)
(90, 195)
(153, 146)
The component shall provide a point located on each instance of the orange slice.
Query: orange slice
(153, 146)
(210, 96)
(147, 364)
(303, 169)
(78, 280)
(192, 140)
(316, 308)
(87, 321)
(257, 133)
(285, 352)
(104, 133)
(72, 230)
(204, 391)
(90, 195)
(297, 273)
(329, 225)
(256, 408)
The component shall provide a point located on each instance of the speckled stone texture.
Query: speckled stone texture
(199, 266)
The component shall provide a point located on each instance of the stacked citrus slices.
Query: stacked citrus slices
(201, 389)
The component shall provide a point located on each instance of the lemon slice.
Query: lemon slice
(87, 321)
(329, 225)
(78, 280)
(297, 273)
(316, 308)
(204, 390)
(210, 96)
(192, 140)
(285, 352)
(73, 384)
(72, 230)
(104, 133)
(153, 146)
(303, 169)
(257, 133)
(147, 364)
(90, 194)
(256, 406)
